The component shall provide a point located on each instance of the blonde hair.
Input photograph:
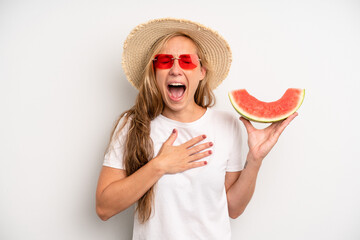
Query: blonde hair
(148, 105)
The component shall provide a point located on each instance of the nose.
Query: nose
(176, 69)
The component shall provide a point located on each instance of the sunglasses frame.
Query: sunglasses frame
(181, 63)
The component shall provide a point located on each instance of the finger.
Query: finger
(281, 127)
(249, 127)
(291, 117)
(199, 148)
(170, 141)
(282, 123)
(196, 164)
(273, 126)
(200, 155)
(194, 141)
(287, 121)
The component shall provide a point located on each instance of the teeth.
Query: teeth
(176, 84)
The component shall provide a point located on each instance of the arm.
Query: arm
(116, 191)
(240, 186)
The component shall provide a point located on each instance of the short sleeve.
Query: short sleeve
(238, 151)
(114, 156)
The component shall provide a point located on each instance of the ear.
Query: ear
(203, 73)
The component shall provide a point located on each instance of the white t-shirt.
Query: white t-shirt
(191, 204)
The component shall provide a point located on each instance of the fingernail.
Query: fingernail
(210, 152)
(174, 130)
(205, 162)
(211, 144)
(204, 136)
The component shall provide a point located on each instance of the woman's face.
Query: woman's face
(177, 85)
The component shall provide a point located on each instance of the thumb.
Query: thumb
(249, 127)
(170, 141)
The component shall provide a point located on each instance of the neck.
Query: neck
(185, 115)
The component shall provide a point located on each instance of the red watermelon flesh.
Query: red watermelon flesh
(259, 111)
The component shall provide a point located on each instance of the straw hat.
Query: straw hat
(142, 37)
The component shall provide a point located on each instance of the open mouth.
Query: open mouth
(176, 90)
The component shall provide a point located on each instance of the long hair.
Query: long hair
(148, 105)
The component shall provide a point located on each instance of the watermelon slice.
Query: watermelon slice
(258, 111)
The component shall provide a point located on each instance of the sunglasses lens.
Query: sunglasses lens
(166, 61)
(188, 61)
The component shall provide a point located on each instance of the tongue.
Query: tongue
(176, 92)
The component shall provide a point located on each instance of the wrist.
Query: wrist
(252, 161)
(157, 167)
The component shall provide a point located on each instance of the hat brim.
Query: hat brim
(216, 49)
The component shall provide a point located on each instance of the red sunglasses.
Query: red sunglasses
(166, 61)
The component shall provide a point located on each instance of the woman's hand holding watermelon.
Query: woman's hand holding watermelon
(261, 141)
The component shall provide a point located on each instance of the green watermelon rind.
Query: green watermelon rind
(243, 113)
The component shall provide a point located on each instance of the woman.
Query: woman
(173, 155)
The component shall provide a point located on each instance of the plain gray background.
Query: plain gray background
(62, 87)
